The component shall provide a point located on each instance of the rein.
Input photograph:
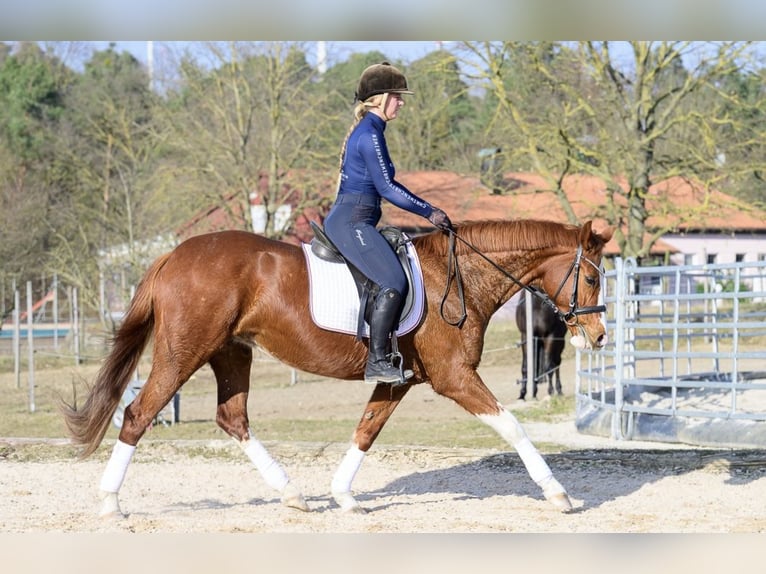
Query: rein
(453, 272)
(452, 263)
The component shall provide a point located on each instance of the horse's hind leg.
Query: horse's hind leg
(548, 366)
(523, 392)
(381, 405)
(166, 377)
(554, 360)
(539, 365)
(231, 366)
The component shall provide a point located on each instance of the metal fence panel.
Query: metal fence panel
(686, 360)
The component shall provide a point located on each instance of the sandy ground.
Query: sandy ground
(209, 486)
(403, 489)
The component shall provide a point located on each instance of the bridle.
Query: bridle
(570, 317)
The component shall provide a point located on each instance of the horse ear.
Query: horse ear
(606, 234)
(590, 239)
(586, 234)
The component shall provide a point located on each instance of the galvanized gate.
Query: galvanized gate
(686, 361)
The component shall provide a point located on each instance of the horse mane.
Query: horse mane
(501, 235)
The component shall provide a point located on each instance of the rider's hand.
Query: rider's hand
(440, 220)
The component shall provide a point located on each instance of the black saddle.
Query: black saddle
(325, 249)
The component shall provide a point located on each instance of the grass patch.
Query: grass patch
(553, 409)
(57, 380)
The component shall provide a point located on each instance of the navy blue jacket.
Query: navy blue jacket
(367, 168)
(367, 174)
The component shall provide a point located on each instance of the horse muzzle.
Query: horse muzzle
(583, 341)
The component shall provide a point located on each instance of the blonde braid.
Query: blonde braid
(360, 110)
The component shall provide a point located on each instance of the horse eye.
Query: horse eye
(591, 281)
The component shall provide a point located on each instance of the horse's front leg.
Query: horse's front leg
(382, 403)
(465, 387)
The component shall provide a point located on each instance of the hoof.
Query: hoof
(292, 498)
(557, 495)
(110, 506)
(347, 503)
(561, 501)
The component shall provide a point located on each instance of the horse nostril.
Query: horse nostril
(602, 340)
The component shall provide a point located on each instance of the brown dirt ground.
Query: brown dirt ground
(207, 486)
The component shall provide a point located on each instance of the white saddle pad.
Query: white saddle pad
(334, 300)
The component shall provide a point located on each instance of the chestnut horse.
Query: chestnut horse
(216, 295)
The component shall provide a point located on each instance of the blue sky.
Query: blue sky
(405, 51)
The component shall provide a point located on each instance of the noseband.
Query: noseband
(570, 317)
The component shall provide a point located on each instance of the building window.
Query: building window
(739, 257)
(711, 258)
(689, 259)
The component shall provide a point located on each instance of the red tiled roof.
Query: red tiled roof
(707, 210)
(465, 198)
(228, 215)
(528, 195)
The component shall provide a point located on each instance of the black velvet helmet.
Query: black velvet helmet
(380, 79)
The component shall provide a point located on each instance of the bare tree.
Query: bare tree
(107, 152)
(245, 114)
(439, 129)
(632, 113)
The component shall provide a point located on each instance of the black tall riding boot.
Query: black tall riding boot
(383, 320)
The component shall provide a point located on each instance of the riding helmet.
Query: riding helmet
(380, 79)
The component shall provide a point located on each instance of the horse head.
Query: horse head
(575, 282)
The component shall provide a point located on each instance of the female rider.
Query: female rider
(366, 176)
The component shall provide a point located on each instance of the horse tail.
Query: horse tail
(88, 424)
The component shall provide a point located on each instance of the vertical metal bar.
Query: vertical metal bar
(76, 326)
(714, 330)
(17, 337)
(31, 343)
(531, 355)
(101, 296)
(735, 339)
(676, 319)
(619, 346)
(55, 288)
(689, 329)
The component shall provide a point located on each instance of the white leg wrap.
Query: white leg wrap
(114, 474)
(508, 427)
(272, 473)
(347, 470)
(538, 469)
(110, 505)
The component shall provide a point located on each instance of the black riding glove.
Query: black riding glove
(440, 220)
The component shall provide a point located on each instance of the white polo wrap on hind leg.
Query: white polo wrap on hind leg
(270, 470)
(349, 466)
(117, 467)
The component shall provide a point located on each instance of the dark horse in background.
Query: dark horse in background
(548, 340)
(216, 296)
